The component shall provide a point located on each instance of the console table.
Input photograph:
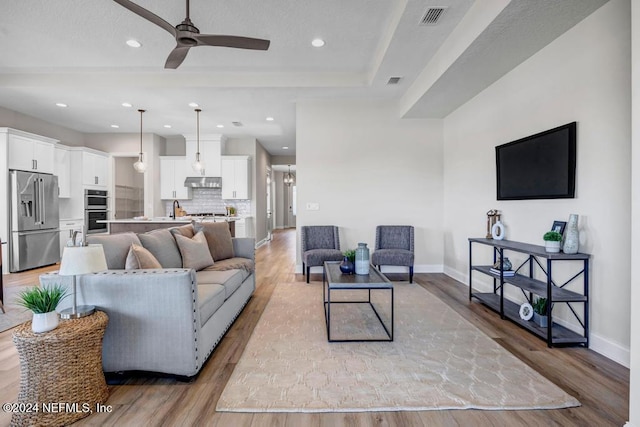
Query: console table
(555, 293)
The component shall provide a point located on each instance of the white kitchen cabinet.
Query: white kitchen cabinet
(62, 169)
(211, 147)
(173, 172)
(29, 152)
(95, 169)
(235, 177)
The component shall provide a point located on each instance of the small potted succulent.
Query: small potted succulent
(540, 312)
(552, 240)
(42, 302)
(348, 262)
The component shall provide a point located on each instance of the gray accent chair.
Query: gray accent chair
(394, 246)
(319, 243)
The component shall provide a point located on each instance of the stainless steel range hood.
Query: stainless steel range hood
(203, 182)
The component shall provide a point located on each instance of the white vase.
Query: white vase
(43, 322)
(497, 231)
(571, 236)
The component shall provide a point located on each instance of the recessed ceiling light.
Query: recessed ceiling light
(133, 43)
(167, 126)
(285, 148)
(220, 126)
(317, 42)
(127, 104)
(269, 119)
(61, 104)
(193, 104)
(115, 126)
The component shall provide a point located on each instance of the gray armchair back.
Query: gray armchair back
(319, 243)
(394, 246)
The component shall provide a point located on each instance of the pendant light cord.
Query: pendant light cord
(198, 133)
(141, 111)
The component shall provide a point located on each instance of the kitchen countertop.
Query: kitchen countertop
(165, 220)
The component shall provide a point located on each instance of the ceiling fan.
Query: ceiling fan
(187, 35)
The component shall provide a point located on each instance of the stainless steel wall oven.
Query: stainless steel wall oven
(96, 204)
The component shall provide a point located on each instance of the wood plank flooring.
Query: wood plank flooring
(601, 385)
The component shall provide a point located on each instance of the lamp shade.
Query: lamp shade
(82, 260)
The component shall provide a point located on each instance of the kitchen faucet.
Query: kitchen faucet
(173, 209)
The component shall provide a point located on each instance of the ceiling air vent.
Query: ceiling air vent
(432, 15)
(394, 80)
(237, 124)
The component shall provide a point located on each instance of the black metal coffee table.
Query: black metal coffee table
(333, 280)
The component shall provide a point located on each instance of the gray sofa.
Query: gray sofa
(165, 320)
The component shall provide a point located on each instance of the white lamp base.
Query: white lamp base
(78, 312)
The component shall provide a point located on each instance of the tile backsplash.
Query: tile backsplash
(210, 200)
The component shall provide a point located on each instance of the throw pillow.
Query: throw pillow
(163, 246)
(183, 230)
(140, 257)
(218, 238)
(116, 247)
(195, 253)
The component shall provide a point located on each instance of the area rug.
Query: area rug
(437, 360)
(15, 314)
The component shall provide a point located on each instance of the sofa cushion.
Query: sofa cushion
(183, 230)
(140, 257)
(230, 279)
(195, 252)
(163, 246)
(210, 299)
(116, 247)
(218, 238)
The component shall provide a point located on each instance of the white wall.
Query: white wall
(634, 388)
(364, 167)
(582, 76)
(15, 120)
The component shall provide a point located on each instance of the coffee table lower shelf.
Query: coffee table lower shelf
(559, 334)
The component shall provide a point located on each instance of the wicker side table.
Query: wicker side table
(61, 371)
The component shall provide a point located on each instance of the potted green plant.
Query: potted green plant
(552, 241)
(540, 312)
(42, 302)
(348, 262)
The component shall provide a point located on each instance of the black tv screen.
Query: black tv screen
(540, 166)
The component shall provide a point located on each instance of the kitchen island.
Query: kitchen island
(144, 225)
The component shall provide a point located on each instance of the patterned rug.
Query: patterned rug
(438, 360)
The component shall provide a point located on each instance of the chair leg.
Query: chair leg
(308, 270)
(302, 268)
(411, 274)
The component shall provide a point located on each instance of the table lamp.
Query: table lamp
(78, 260)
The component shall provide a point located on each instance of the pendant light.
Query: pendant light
(198, 166)
(288, 178)
(140, 166)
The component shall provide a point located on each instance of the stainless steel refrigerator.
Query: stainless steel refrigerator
(35, 221)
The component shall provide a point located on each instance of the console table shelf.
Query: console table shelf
(556, 334)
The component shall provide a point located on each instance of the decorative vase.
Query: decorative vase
(497, 231)
(346, 266)
(551, 246)
(540, 320)
(43, 322)
(362, 259)
(572, 236)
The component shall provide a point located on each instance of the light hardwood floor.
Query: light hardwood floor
(601, 385)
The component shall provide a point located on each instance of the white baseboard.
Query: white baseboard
(261, 242)
(629, 424)
(423, 268)
(597, 343)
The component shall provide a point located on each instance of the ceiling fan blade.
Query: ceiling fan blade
(149, 16)
(176, 56)
(232, 41)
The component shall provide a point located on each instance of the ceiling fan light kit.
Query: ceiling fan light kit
(188, 35)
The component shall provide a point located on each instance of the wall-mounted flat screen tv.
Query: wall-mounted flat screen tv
(540, 166)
